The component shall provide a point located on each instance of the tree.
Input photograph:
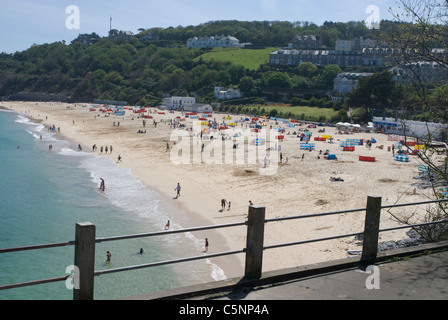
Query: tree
(307, 69)
(374, 92)
(326, 78)
(422, 28)
(279, 80)
(246, 85)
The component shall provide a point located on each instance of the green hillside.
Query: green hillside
(248, 58)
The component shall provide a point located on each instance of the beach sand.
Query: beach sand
(300, 186)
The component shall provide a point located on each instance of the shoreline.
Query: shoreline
(301, 186)
(189, 217)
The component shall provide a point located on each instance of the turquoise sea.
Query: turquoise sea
(44, 193)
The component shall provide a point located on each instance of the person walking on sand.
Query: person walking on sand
(177, 189)
(223, 204)
(119, 159)
(108, 256)
(206, 245)
(167, 225)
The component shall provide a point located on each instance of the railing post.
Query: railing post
(85, 260)
(371, 230)
(254, 242)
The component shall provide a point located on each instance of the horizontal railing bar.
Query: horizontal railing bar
(161, 263)
(40, 246)
(413, 203)
(33, 283)
(161, 233)
(413, 225)
(314, 215)
(312, 240)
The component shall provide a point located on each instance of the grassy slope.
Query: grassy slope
(303, 110)
(249, 58)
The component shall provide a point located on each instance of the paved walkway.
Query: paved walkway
(420, 278)
(421, 273)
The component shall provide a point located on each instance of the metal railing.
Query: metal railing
(85, 244)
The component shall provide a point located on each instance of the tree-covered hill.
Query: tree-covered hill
(141, 72)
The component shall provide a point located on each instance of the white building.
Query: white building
(176, 103)
(409, 128)
(427, 73)
(357, 44)
(346, 82)
(212, 42)
(199, 108)
(227, 93)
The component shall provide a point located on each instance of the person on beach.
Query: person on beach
(177, 189)
(228, 209)
(206, 245)
(141, 251)
(108, 256)
(102, 185)
(119, 159)
(223, 204)
(167, 225)
(250, 203)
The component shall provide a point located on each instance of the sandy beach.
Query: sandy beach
(300, 184)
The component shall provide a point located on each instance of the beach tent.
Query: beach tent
(258, 142)
(356, 141)
(307, 146)
(423, 168)
(401, 158)
(332, 157)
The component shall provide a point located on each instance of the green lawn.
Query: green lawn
(308, 112)
(248, 58)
